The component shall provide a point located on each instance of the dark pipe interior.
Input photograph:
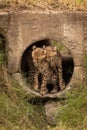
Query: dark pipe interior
(2, 42)
(67, 63)
(68, 68)
(2, 49)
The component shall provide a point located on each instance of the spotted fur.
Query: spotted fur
(55, 60)
(49, 75)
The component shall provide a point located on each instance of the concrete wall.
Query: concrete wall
(25, 27)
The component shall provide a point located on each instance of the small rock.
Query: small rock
(51, 109)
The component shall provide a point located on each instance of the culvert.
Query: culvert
(27, 63)
(67, 27)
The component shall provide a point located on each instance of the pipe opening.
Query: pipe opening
(67, 62)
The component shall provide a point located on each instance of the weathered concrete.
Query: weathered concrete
(23, 28)
(28, 27)
(4, 23)
(85, 31)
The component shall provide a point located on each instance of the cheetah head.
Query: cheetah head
(38, 54)
(51, 52)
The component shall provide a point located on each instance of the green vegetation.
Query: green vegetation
(60, 47)
(74, 112)
(50, 4)
(20, 111)
(17, 110)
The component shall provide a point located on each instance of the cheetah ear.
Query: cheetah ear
(44, 46)
(34, 47)
(55, 48)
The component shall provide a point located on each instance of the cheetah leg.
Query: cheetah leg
(54, 78)
(54, 89)
(43, 86)
(36, 86)
(61, 81)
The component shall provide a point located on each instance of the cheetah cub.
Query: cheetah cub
(55, 60)
(43, 67)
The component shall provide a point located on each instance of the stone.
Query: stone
(51, 109)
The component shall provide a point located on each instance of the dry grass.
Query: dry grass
(16, 113)
(61, 126)
(50, 4)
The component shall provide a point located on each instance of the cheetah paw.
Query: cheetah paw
(43, 91)
(54, 91)
(36, 88)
